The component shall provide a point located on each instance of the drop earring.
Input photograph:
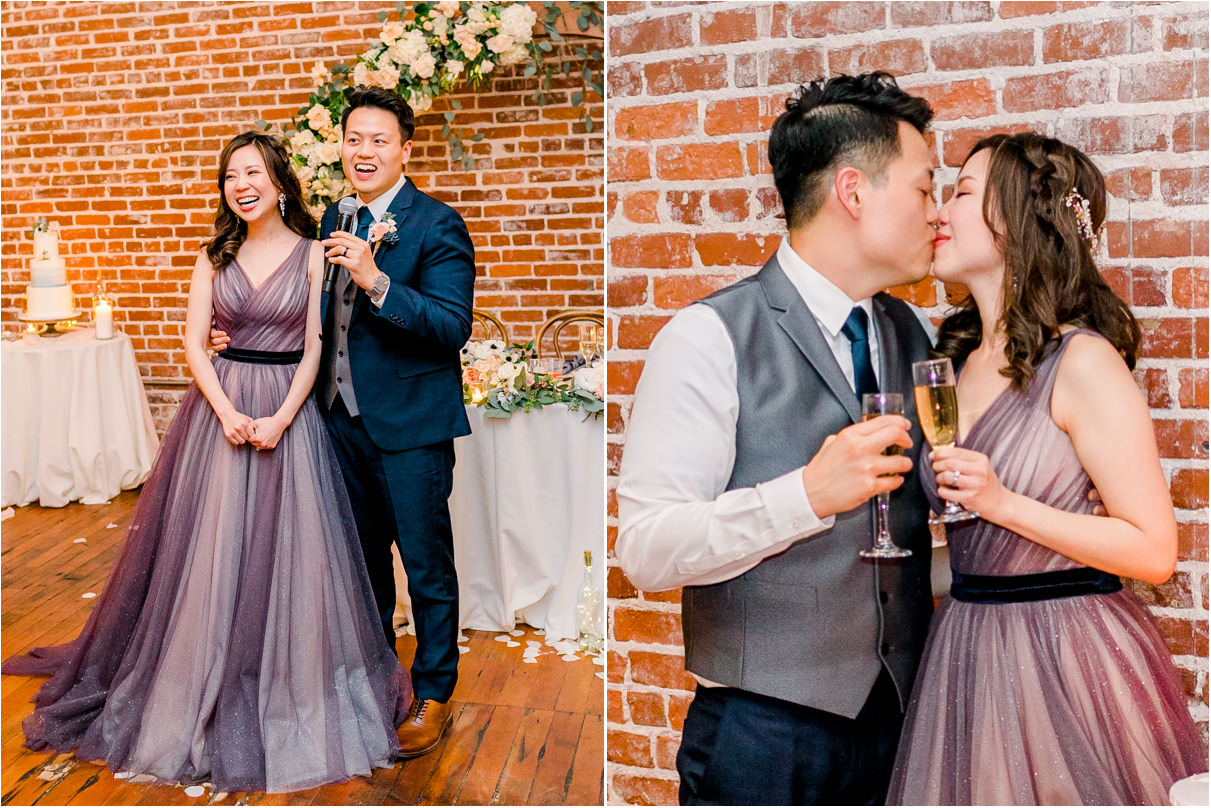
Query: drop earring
(282, 204)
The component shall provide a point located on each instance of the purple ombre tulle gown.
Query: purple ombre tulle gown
(236, 640)
(1070, 701)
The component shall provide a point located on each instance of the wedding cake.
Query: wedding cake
(48, 296)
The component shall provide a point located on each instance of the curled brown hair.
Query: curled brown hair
(229, 229)
(1050, 276)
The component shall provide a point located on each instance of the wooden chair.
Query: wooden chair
(555, 326)
(489, 323)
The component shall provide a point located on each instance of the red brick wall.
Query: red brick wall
(691, 207)
(114, 114)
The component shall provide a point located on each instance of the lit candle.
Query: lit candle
(103, 318)
(477, 394)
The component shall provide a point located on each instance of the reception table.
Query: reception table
(75, 422)
(528, 501)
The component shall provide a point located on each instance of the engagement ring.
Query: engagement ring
(954, 478)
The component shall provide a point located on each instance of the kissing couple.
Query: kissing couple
(749, 479)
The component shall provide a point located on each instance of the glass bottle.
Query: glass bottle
(588, 609)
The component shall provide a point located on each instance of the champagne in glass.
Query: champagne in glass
(874, 405)
(585, 334)
(938, 411)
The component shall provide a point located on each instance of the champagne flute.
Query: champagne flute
(938, 410)
(585, 333)
(874, 405)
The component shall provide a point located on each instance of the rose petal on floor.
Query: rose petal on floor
(80, 540)
(194, 791)
(463, 650)
(501, 638)
(88, 595)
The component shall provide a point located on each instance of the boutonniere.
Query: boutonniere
(383, 232)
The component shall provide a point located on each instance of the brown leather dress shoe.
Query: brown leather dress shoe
(422, 731)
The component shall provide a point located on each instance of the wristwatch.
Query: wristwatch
(381, 283)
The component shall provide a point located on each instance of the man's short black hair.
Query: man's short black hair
(382, 99)
(845, 120)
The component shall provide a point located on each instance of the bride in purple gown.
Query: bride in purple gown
(1043, 681)
(234, 641)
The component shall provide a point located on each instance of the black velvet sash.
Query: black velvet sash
(262, 357)
(1036, 586)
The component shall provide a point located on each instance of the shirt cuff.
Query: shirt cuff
(789, 510)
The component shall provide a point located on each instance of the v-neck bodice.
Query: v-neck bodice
(269, 317)
(1031, 456)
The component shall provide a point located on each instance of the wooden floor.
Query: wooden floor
(523, 733)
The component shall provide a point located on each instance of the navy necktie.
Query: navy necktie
(859, 345)
(364, 219)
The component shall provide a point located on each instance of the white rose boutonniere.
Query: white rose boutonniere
(383, 232)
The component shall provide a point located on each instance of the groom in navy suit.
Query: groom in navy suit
(390, 384)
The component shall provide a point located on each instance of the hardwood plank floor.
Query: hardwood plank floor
(523, 734)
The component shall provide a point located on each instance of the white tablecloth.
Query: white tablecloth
(528, 500)
(74, 422)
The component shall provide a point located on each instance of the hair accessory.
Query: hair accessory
(1080, 206)
(282, 204)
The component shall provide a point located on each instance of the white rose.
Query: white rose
(485, 66)
(477, 20)
(514, 55)
(319, 73)
(420, 103)
(517, 21)
(496, 345)
(424, 65)
(500, 43)
(301, 140)
(329, 152)
(481, 351)
(454, 67)
(391, 31)
(361, 75)
(408, 47)
(387, 77)
(448, 7)
(305, 173)
(588, 378)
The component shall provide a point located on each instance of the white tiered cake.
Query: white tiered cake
(48, 296)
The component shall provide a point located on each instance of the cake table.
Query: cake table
(75, 423)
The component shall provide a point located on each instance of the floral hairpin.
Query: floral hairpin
(383, 232)
(1080, 206)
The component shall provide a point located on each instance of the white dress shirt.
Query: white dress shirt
(677, 524)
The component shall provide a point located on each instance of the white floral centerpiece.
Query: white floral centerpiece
(499, 379)
(423, 57)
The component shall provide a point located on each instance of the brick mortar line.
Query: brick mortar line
(1093, 14)
(843, 42)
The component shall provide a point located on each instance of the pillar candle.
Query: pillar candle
(103, 319)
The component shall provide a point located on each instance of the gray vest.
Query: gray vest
(340, 373)
(814, 624)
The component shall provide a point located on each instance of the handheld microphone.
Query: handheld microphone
(345, 212)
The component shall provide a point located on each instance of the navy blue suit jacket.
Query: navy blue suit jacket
(407, 375)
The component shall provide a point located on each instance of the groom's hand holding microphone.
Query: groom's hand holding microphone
(850, 466)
